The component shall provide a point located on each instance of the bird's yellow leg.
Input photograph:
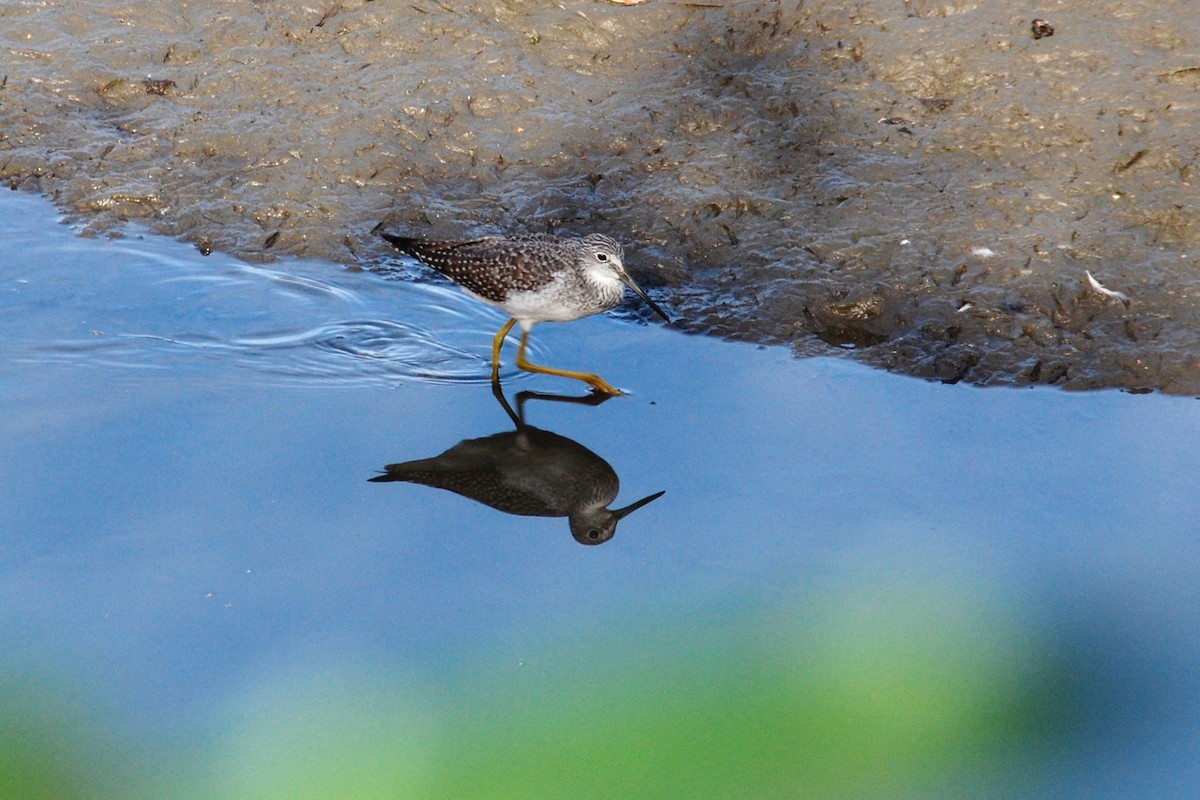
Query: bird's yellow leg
(595, 381)
(497, 343)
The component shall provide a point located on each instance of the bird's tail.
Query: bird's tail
(404, 244)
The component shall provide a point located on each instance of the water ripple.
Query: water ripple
(359, 351)
(156, 306)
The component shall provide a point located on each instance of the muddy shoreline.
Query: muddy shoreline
(927, 185)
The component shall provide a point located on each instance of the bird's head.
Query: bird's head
(604, 258)
(597, 526)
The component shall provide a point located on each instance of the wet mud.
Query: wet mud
(958, 190)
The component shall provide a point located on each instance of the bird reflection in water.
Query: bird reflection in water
(529, 472)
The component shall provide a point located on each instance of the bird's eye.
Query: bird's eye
(593, 534)
(602, 256)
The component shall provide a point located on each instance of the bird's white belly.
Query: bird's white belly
(527, 305)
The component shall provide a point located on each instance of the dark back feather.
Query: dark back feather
(493, 266)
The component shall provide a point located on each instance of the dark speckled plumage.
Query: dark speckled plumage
(562, 271)
(495, 266)
(538, 278)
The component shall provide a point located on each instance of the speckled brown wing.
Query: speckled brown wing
(491, 267)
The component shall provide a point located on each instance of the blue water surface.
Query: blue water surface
(185, 511)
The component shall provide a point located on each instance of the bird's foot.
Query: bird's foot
(601, 386)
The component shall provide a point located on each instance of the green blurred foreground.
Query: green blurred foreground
(891, 691)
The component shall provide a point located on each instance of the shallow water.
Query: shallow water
(923, 182)
(202, 591)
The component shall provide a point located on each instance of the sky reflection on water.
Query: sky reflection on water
(185, 531)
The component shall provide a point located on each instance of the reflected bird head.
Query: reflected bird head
(598, 526)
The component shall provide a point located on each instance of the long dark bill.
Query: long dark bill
(638, 291)
(621, 513)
